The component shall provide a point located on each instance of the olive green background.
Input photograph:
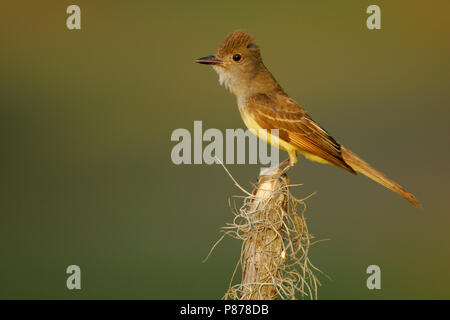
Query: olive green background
(86, 117)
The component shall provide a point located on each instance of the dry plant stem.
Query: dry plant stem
(275, 243)
(264, 247)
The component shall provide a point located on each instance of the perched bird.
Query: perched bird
(263, 104)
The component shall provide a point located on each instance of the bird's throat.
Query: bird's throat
(243, 85)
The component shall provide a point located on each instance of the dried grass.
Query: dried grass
(274, 256)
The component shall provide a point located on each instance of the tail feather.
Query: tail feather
(363, 167)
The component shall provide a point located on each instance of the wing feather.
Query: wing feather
(295, 126)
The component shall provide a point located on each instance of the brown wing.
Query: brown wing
(295, 126)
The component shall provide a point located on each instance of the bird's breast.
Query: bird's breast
(262, 133)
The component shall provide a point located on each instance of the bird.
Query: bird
(263, 104)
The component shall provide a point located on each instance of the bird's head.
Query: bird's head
(237, 61)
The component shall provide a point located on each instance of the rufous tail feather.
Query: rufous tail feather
(363, 167)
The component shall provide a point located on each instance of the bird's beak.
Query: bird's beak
(209, 60)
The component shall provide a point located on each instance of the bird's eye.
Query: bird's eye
(237, 57)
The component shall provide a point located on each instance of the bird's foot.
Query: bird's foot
(286, 169)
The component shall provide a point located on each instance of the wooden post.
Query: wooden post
(275, 243)
(264, 249)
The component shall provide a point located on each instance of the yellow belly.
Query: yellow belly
(275, 140)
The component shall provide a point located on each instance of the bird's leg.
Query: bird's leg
(283, 163)
(286, 169)
(292, 161)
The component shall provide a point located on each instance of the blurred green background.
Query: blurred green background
(86, 118)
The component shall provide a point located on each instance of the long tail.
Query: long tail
(363, 167)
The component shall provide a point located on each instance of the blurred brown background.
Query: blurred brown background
(85, 124)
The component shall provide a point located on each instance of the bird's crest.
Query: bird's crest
(234, 41)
